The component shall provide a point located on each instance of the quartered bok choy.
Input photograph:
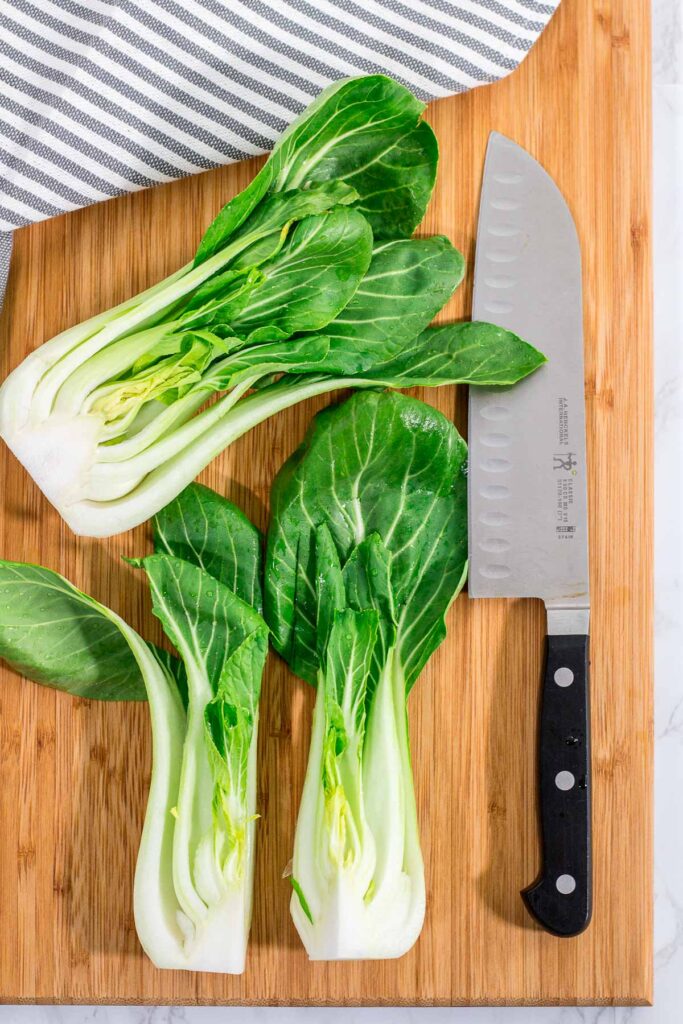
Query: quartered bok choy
(366, 550)
(194, 875)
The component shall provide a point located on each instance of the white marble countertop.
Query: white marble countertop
(668, 1009)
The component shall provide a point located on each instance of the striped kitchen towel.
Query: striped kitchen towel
(101, 97)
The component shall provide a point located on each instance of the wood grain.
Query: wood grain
(74, 774)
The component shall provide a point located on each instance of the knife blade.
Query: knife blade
(528, 527)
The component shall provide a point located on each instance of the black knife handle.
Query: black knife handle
(561, 899)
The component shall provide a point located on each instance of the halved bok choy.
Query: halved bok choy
(306, 282)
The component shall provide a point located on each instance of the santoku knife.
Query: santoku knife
(528, 531)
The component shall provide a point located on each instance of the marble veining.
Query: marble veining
(668, 247)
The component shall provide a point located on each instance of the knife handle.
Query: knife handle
(561, 899)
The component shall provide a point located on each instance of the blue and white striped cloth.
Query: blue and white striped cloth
(102, 97)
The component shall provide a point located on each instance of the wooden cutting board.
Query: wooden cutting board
(74, 774)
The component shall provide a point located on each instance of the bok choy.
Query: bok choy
(194, 875)
(309, 275)
(366, 550)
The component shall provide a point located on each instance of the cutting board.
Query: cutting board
(74, 774)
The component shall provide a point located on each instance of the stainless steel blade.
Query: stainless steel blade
(528, 530)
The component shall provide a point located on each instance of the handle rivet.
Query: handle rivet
(564, 780)
(564, 676)
(565, 884)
